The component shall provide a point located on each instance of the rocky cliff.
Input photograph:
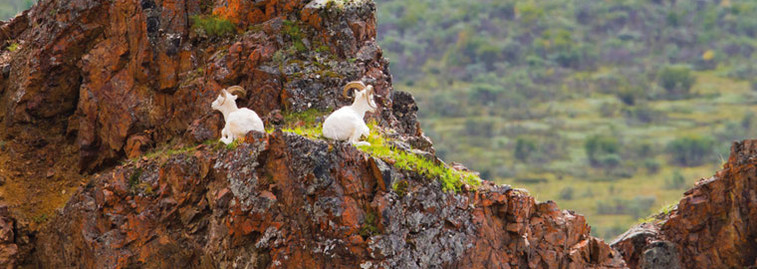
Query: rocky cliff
(109, 160)
(713, 226)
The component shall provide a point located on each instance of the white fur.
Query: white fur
(347, 123)
(239, 121)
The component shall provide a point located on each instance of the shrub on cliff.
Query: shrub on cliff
(212, 26)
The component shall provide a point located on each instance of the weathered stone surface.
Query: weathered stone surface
(115, 69)
(713, 226)
(102, 81)
(8, 247)
(283, 201)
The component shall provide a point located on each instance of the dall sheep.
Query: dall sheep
(239, 121)
(347, 123)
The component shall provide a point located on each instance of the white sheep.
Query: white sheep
(239, 121)
(347, 123)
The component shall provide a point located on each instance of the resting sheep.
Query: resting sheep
(239, 121)
(347, 123)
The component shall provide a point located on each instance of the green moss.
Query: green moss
(307, 117)
(167, 152)
(212, 26)
(302, 123)
(13, 47)
(451, 179)
(323, 49)
(233, 145)
(400, 187)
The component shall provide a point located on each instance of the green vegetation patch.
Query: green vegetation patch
(451, 179)
(13, 47)
(292, 30)
(306, 124)
(369, 227)
(212, 26)
(302, 123)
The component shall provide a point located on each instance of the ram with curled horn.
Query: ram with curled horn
(239, 121)
(346, 123)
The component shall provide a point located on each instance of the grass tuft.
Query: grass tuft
(212, 26)
(303, 123)
(369, 227)
(134, 179)
(13, 47)
(292, 30)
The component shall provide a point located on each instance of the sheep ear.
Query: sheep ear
(233, 97)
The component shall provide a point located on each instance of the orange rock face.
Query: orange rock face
(713, 226)
(283, 201)
(111, 70)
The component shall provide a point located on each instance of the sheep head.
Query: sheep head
(222, 98)
(363, 94)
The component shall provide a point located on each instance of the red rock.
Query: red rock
(711, 226)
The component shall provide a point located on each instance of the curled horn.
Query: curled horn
(238, 91)
(371, 92)
(352, 85)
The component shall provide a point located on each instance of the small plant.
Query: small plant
(400, 187)
(369, 227)
(212, 26)
(13, 47)
(664, 211)
(233, 145)
(323, 49)
(40, 218)
(134, 179)
(292, 30)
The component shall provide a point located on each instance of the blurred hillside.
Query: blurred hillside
(9, 8)
(611, 108)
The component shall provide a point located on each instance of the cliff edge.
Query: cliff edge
(713, 226)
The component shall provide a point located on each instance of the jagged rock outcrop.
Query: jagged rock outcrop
(713, 226)
(114, 72)
(285, 201)
(91, 82)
